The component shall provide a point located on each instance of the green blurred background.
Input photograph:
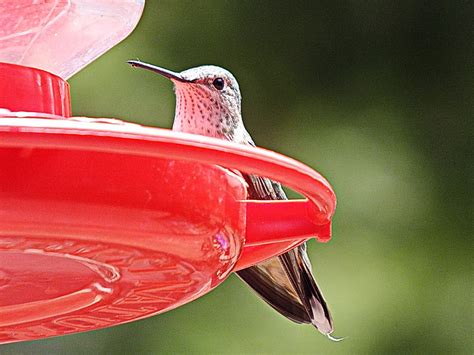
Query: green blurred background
(372, 94)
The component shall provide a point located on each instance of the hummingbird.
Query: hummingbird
(208, 103)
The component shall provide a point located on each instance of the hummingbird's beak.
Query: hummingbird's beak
(165, 72)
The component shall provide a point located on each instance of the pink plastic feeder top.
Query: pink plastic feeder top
(63, 36)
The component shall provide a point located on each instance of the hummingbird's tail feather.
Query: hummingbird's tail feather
(287, 284)
(298, 268)
(272, 284)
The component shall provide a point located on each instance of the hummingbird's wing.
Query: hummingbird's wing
(286, 282)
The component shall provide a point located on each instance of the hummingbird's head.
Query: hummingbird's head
(207, 100)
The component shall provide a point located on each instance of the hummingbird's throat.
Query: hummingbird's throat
(199, 111)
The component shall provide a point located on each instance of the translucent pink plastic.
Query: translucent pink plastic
(63, 36)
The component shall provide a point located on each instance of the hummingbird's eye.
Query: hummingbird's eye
(218, 83)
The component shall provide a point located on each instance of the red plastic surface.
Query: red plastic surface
(103, 222)
(29, 89)
(90, 239)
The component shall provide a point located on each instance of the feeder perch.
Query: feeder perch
(103, 222)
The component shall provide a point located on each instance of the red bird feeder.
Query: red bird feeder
(104, 222)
